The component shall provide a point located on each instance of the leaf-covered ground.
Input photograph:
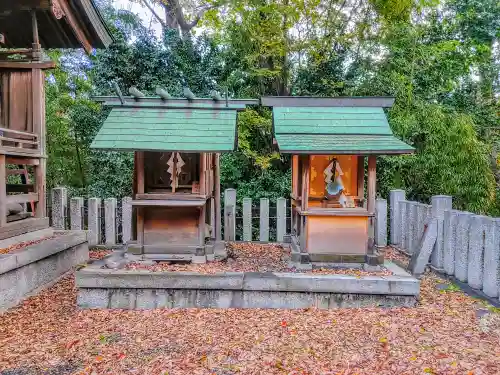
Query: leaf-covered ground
(98, 253)
(21, 245)
(448, 333)
(252, 257)
(395, 255)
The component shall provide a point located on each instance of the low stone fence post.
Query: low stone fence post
(94, 221)
(440, 203)
(247, 219)
(403, 218)
(280, 219)
(395, 224)
(110, 221)
(230, 215)
(466, 246)
(462, 246)
(491, 269)
(381, 223)
(264, 220)
(126, 220)
(76, 213)
(450, 221)
(412, 228)
(476, 252)
(59, 206)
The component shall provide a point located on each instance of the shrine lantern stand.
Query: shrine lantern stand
(329, 140)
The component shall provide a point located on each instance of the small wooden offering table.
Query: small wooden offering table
(329, 139)
(177, 181)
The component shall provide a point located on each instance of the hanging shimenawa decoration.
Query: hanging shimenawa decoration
(334, 184)
(175, 159)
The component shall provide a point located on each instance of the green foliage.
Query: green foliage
(439, 110)
(66, 158)
(237, 171)
(111, 174)
(437, 57)
(449, 158)
(255, 138)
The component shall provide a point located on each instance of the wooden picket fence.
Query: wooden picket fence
(109, 221)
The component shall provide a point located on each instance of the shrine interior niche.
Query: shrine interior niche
(172, 172)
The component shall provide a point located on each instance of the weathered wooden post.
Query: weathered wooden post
(59, 206)
(76, 213)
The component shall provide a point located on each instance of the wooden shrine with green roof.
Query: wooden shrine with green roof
(329, 139)
(176, 142)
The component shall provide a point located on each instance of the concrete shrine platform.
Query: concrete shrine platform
(125, 288)
(31, 262)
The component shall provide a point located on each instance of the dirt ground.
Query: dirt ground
(448, 333)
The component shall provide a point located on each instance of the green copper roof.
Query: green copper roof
(341, 130)
(168, 129)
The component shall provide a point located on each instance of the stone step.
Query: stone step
(169, 257)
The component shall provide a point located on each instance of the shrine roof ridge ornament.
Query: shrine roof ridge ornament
(340, 101)
(137, 99)
(164, 99)
(164, 123)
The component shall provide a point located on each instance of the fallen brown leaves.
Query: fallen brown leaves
(250, 257)
(96, 254)
(21, 245)
(395, 255)
(440, 336)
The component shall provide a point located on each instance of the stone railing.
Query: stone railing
(109, 221)
(466, 246)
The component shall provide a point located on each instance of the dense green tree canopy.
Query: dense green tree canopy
(439, 58)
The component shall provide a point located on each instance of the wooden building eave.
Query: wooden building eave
(62, 24)
(13, 64)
